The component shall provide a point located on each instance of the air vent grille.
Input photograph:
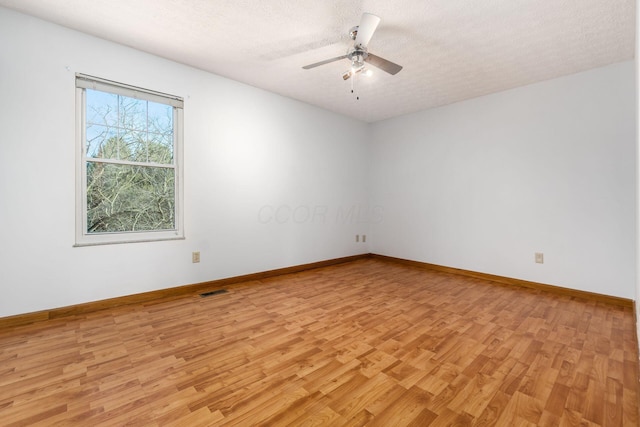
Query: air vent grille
(212, 293)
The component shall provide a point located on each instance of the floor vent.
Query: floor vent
(208, 294)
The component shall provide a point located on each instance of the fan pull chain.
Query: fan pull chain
(353, 84)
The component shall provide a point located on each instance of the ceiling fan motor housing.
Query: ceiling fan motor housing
(357, 55)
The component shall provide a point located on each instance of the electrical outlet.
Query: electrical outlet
(539, 258)
(195, 257)
(364, 238)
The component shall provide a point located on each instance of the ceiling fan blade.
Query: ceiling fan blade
(326, 61)
(368, 24)
(383, 64)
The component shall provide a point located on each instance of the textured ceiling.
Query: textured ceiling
(451, 50)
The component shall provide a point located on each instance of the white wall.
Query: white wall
(245, 149)
(483, 184)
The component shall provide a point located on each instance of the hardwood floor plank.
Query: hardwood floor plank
(352, 404)
(521, 409)
(368, 342)
(404, 410)
(301, 409)
(475, 396)
(425, 418)
(27, 417)
(557, 399)
(493, 410)
(323, 417)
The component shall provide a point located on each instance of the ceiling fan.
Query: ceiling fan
(358, 53)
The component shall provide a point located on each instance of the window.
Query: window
(129, 163)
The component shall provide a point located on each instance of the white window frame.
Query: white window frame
(83, 238)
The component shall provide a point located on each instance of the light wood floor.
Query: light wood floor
(364, 343)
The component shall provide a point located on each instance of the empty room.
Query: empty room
(335, 213)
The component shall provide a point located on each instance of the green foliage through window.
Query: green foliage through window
(129, 198)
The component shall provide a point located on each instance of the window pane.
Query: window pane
(98, 138)
(102, 108)
(135, 144)
(123, 198)
(160, 118)
(161, 148)
(129, 129)
(133, 113)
